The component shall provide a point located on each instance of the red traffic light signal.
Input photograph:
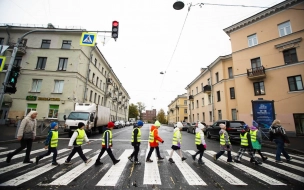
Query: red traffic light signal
(115, 30)
(115, 23)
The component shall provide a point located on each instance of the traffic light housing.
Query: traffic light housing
(10, 87)
(115, 25)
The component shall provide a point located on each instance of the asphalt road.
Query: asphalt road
(157, 175)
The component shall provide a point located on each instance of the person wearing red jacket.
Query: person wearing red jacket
(153, 141)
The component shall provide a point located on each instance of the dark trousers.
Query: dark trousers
(25, 143)
(200, 151)
(109, 151)
(242, 151)
(151, 150)
(135, 153)
(77, 149)
(259, 152)
(280, 149)
(50, 150)
(220, 153)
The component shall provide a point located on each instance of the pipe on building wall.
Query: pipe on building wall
(212, 103)
(88, 74)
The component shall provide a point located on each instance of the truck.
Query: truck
(95, 117)
(132, 120)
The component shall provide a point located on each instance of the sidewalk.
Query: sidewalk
(295, 146)
(7, 134)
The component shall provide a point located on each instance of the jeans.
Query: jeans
(151, 150)
(135, 153)
(280, 149)
(220, 153)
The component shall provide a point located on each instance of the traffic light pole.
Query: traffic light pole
(11, 63)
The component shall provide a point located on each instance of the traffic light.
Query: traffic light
(115, 30)
(10, 87)
(10, 90)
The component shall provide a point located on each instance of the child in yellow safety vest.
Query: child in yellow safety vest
(177, 141)
(256, 140)
(200, 143)
(225, 144)
(51, 144)
(135, 142)
(77, 140)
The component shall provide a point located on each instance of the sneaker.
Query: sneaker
(264, 158)
(183, 158)
(200, 162)
(258, 163)
(160, 158)
(37, 160)
(237, 161)
(98, 162)
(116, 161)
(88, 161)
(278, 161)
(68, 163)
(288, 160)
(55, 164)
(149, 160)
(251, 160)
(28, 162)
(8, 158)
(171, 160)
(214, 157)
(137, 163)
(230, 161)
(193, 157)
(130, 158)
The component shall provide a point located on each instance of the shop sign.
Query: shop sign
(31, 98)
(48, 99)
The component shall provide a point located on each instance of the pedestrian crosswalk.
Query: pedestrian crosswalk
(45, 174)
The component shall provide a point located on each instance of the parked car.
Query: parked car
(127, 123)
(233, 128)
(123, 124)
(117, 125)
(192, 127)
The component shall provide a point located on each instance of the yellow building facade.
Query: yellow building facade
(177, 109)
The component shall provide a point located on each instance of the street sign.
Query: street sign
(2, 62)
(88, 39)
(3, 48)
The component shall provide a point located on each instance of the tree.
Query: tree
(141, 107)
(133, 111)
(161, 116)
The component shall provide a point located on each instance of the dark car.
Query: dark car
(233, 128)
(185, 126)
(192, 127)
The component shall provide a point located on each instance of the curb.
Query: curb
(286, 148)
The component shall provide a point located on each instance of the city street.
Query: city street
(157, 175)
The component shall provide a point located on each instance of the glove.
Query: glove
(163, 141)
(179, 145)
(228, 146)
(205, 146)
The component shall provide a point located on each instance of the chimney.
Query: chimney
(50, 25)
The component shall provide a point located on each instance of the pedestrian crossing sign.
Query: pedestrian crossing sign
(2, 62)
(88, 39)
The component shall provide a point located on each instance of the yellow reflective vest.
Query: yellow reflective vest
(54, 139)
(80, 137)
(151, 137)
(222, 139)
(138, 135)
(174, 141)
(244, 140)
(198, 138)
(253, 135)
(110, 138)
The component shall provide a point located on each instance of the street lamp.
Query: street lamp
(178, 5)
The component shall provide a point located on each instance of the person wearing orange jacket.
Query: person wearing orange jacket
(153, 141)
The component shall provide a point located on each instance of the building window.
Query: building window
(284, 29)
(17, 61)
(217, 77)
(255, 63)
(197, 103)
(97, 81)
(45, 43)
(93, 77)
(31, 107)
(252, 40)
(203, 101)
(1, 41)
(218, 93)
(66, 44)
(259, 88)
(295, 83)
(100, 84)
(230, 73)
(41, 63)
(202, 85)
(185, 110)
(290, 56)
(62, 65)
(101, 101)
(232, 93)
(91, 94)
(208, 81)
(196, 90)
(203, 116)
(197, 116)
(53, 111)
(105, 73)
(219, 112)
(36, 85)
(210, 115)
(192, 105)
(95, 63)
(58, 86)
(209, 99)
(233, 113)
(185, 102)
(95, 95)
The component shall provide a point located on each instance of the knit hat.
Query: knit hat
(140, 123)
(157, 123)
(80, 124)
(53, 125)
(253, 128)
(245, 126)
(200, 126)
(179, 125)
(110, 124)
(222, 125)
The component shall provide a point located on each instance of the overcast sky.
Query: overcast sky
(148, 37)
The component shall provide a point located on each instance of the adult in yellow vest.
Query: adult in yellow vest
(51, 144)
(135, 142)
(256, 140)
(153, 141)
(106, 145)
(246, 145)
(200, 142)
(77, 140)
(177, 141)
(225, 144)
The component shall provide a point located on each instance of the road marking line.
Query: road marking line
(34, 173)
(151, 174)
(248, 170)
(288, 165)
(124, 140)
(189, 174)
(22, 154)
(231, 179)
(74, 173)
(293, 160)
(112, 176)
(1, 148)
(296, 156)
(21, 164)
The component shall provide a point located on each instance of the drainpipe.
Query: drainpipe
(88, 74)
(212, 104)
(117, 100)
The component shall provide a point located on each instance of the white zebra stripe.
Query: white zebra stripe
(231, 179)
(151, 173)
(1, 148)
(22, 154)
(293, 160)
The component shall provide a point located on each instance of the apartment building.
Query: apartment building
(267, 62)
(149, 115)
(57, 73)
(177, 109)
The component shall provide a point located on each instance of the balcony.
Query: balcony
(109, 81)
(177, 107)
(119, 102)
(120, 94)
(256, 73)
(123, 97)
(207, 89)
(21, 48)
(114, 99)
(191, 98)
(109, 94)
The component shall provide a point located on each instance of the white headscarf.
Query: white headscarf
(28, 116)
